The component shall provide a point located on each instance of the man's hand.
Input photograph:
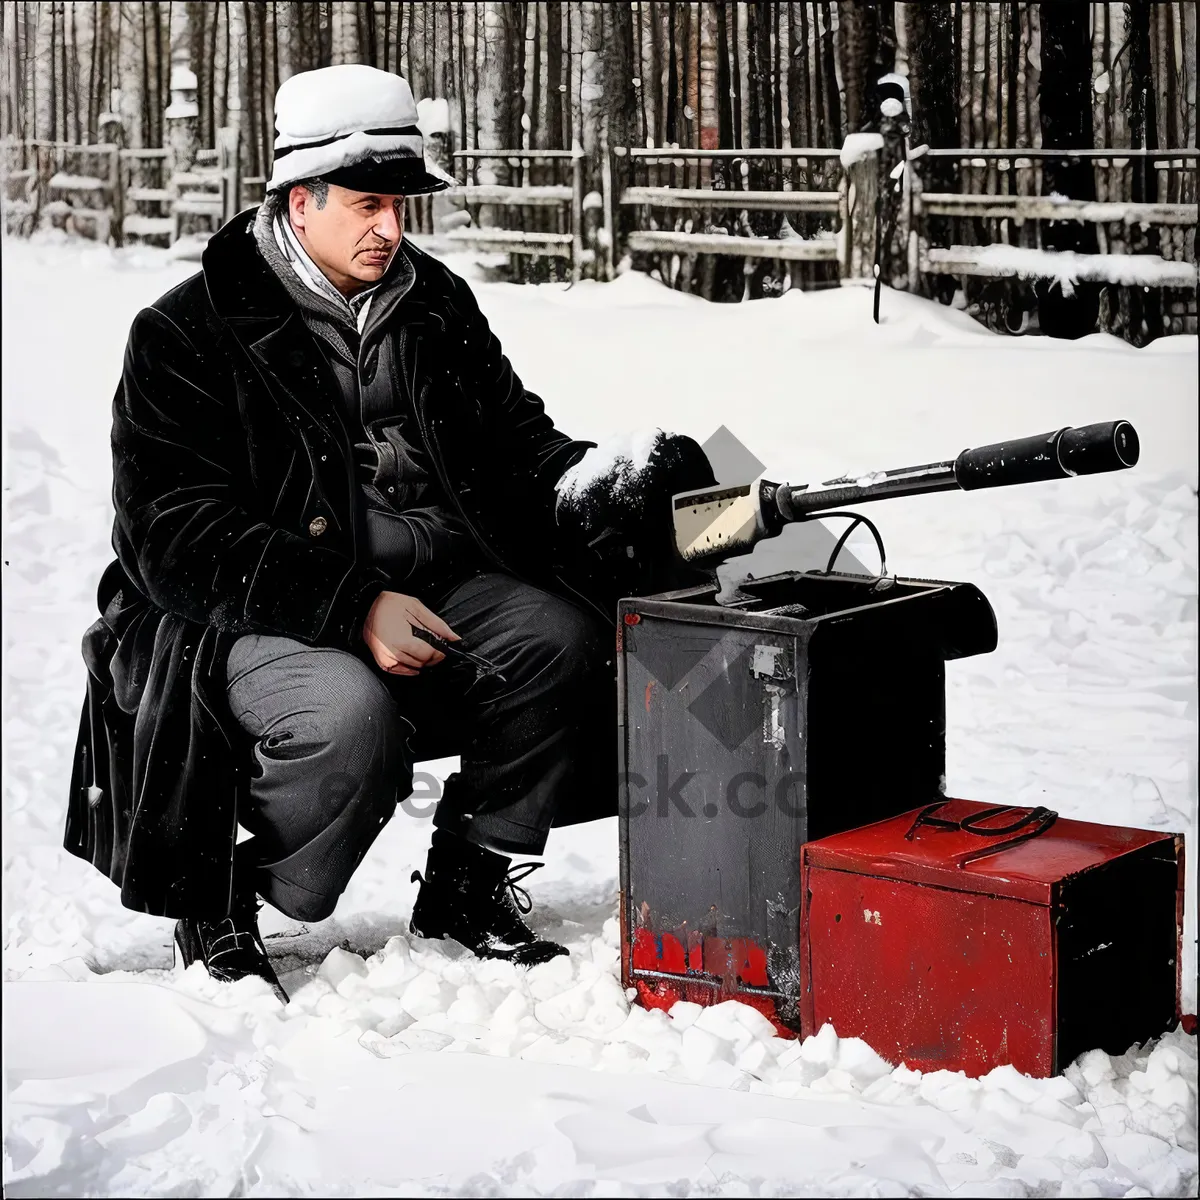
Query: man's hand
(388, 634)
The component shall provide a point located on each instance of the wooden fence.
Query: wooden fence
(112, 194)
(549, 213)
(817, 210)
(1008, 215)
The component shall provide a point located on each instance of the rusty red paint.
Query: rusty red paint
(930, 977)
(709, 971)
(632, 618)
(940, 960)
(1028, 871)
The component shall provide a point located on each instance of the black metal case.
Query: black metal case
(745, 731)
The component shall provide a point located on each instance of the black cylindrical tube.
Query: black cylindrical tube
(1088, 450)
(1025, 460)
(1093, 449)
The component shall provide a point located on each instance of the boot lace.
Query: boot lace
(234, 934)
(520, 898)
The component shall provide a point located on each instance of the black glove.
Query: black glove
(618, 526)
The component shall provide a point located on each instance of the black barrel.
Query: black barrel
(1088, 450)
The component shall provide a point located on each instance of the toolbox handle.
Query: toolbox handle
(1035, 822)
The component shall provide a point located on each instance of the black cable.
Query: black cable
(857, 519)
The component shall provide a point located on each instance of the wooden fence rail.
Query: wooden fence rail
(562, 203)
(826, 203)
(1004, 239)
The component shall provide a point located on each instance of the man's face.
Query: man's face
(353, 237)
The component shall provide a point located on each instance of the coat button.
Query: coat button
(317, 526)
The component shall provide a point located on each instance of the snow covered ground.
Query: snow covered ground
(403, 1068)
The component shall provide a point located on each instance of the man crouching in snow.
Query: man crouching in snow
(318, 448)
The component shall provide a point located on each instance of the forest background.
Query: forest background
(660, 73)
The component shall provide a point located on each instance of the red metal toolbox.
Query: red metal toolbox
(962, 936)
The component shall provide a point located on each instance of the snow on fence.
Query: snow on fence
(728, 179)
(105, 192)
(563, 204)
(1004, 218)
(145, 198)
(68, 186)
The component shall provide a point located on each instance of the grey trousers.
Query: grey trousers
(334, 738)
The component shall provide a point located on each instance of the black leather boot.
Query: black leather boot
(469, 894)
(231, 947)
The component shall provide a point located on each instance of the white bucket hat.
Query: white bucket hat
(354, 126)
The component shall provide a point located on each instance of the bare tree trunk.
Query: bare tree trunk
(266, 98)
(1066, 118)
(53, 93)
(684, 34)
(8, 39)
(985, 74)
(225, 77)
(1143, 122)
(464, 132)
(274, 80)
(64, 73)
(1167, 89)
(671, 131)
(656, 74)
(412, 21)
(828, 52)
(740, 128)
(1188, 62)
(250, 94)
(147, 123)
(1033, 75)
(752, 77)
(77, 119)
(971, 45)
(710, 17)
(93, 91)
(930, 76)
(215, 12)
(932, 59)
(162, 76)
(776, 79)
(519, 15)
(554, 85)
(620, 96)
(692, 91)
(31, 48)
(799, 113)
(475, 45)
(864, 58)
(431, 48)
(1013, 62)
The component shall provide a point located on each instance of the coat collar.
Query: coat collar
(243, 288)
(247, 294)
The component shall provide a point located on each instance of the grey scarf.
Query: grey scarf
(325, 310)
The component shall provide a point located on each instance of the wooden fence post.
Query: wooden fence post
(861, 158)
(608, 231)
(230, 167)
(112, 130)
(576, 212)
(913, 183)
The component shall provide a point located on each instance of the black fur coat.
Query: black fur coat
(236, 501)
